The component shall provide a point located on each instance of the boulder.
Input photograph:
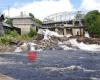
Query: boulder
(39, 37)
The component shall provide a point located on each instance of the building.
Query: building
(4, 27)
(25, 23)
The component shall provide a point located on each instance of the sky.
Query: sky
(43, 8)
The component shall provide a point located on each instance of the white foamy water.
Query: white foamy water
(47, 33)
(70, 68)
(32, 46)
(93, 78)
(87, 34)
(18, 49)
(82, 46)
(64, 46)
(68, 35)
(76, 45)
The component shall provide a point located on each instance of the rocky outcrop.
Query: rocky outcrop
(51, 43)
(89, 40)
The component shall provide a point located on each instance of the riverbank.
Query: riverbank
(54, 43)
(49, 40)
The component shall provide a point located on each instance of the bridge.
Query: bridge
(66, 22)
(64, 16)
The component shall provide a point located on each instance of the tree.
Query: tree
(92, 20)
(31, 15)
(32, 32)
(35, 19)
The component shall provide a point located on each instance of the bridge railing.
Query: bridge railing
(64, 16)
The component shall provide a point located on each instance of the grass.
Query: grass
(13, 35)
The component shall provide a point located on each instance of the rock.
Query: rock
(58, 48)
(39, 37)
(24, 47)
(89, 40)
(5, 77)
(14, 42)
(59, 38)
(7, 48)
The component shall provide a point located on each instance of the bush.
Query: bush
(5, 39)
(32, 32)
(23, 37)
(13, 33)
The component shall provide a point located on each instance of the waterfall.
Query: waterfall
(87, 34)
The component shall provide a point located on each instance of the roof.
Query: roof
(5, 24)
(21, 17)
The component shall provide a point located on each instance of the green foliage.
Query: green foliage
(31, 15)
(38, 21)
(5, 39)
(23, 37)
(32, 32)
(35, 19)
(13, 33)
(92, 20)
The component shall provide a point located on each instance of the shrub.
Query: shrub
(23, 37)
(5, 39)
(32, 32)
(13, 33)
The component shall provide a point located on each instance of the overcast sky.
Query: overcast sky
(43, 8)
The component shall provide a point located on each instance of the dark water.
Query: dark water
(52, 65)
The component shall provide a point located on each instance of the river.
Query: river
(52, 65)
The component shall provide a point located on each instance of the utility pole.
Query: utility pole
(8, 11)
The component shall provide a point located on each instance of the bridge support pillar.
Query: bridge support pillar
(65, 31)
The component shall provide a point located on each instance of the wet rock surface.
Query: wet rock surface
(51, 43)
(89, 40)
(39, 37)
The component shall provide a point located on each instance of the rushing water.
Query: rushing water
(52, 65)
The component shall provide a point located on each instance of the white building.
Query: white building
(25, 23)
